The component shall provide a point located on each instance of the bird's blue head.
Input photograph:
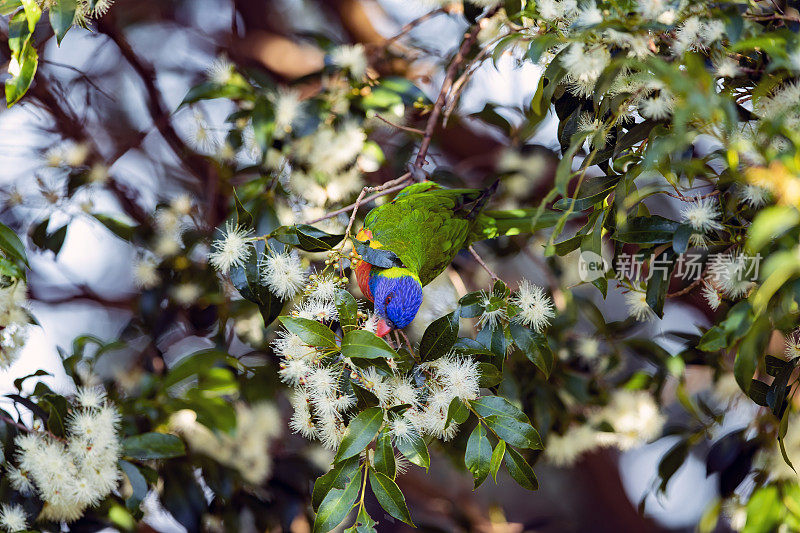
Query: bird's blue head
(397, 293)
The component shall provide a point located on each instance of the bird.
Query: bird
(405, 243)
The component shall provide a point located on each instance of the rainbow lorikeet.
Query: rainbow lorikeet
(410, 240)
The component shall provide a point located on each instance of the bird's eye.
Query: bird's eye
(388, 299)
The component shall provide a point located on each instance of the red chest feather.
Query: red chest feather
(362, 277)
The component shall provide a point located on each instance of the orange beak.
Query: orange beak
(382, 329)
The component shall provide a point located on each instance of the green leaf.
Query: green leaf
(764, 510)
(769, 224)
(18, 85)
(247, 280)
(680, 241)
(647, 230)
(210, 91)
(520, 470)
(153, 446)
(507, 421)
(384, 455)
(138, 484)
(365, 344)
(9, 6)
(306, 237)
(534, 346)
(243, 217)
(11, 244)
(457, 412)
(592, 190)
(310, 332)
(119, 227)
(478, 455)
(49, 241)
(662, 267)
(347, 309)
(712, 340)
(389, 496)
(564, 168)
(360, 432)
(337, 478)
(671, 462)
(364, 522)
(782, 429)
(516, 433)
(337, 505)
(490, 376)
(752, 347)
(32, 13)
(192, 365)
(497, 459)
(415, 450)
(19, 381)
(62, 16)
(439, 337)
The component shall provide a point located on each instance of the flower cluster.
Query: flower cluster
(245, 449)
(529, 306)
(633, 415)
(74, 473)
(14, 322)
(324, 397)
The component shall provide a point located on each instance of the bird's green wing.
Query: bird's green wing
(425, 227)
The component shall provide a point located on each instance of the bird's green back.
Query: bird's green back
(425, 226)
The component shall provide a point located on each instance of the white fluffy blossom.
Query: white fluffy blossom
(232, 249)
(13, 518)
(352, 58)
(245, 449)
(564, 450)
(793, 345)
(402, 430)
(536, 307)
(494, 311)
(324, 287)
(657, 107)
(459, 376)
(635, 417)
(712, 295)
(283, 274)
(588, 348)
(91, 397)
(727, 67)
(589, 15)
(220, 71)
(638, 307)
(585, 64)
(702, 214)
(287, 106)
(730, 274)
(14, 322)
(145, 273)
(74, 474)
(312, 309)
(753, 195)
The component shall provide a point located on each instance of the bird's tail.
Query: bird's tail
(480, 201)
(510, 222)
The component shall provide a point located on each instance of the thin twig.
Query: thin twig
(387, 188)
(419, 161)
(413, 24)
(23, 427)
(693, 198)
(450, 74)
(482, 263)
(400, 126)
